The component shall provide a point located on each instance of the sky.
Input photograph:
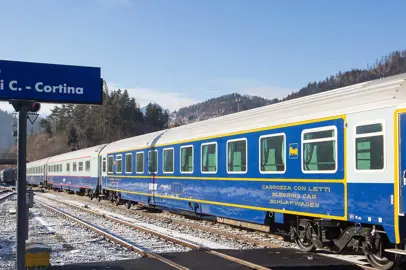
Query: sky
(180, 52)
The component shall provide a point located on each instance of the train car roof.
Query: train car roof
(77, 154)
(35, 162)
(375, 94)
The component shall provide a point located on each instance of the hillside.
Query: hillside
(392, 64)
(216, 107)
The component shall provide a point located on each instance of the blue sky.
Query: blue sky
(180, 52)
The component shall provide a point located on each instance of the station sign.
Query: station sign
(50, 83)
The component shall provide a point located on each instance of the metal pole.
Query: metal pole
(22, 230)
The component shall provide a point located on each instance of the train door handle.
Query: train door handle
(404, 177)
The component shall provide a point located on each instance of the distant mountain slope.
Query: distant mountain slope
(218, 106)
(392, 64)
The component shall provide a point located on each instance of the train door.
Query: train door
(103, 172)
(152, 161)
(44, 175)
(402, 164)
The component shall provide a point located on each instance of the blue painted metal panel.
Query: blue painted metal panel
(402, 155)
(73, 182)
(371, 203)
(279, 218)
(317, 198)
(34, 179)
(50, 83)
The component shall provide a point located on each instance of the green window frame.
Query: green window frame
(186, 159)
(128, 163)
(153, 161)
(104, 165)
(168, 161)
(272, 153)
(319, 150)
(119, 163)
(139, 159)
(209, 158)
(80, 166)
(110, 163)
(87, 165)
(369, 147)
(237, 156)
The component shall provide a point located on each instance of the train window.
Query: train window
(110, 161)
(186, 159)
(140, 162)
(369, 153)
(80, 166)
(237, 156)
(272, 153)
(128, 163)
(87, 165)
(153, 161)
(104, 165)
(319, 148)
(168, 160)
(74, 166)
(68, 167)
(119, 164)
(208, 158)
(60, 167)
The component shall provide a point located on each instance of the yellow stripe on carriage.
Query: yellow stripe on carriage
(232, 205)
(396, 171)
(230, 178)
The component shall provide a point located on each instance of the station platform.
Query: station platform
(276, 259)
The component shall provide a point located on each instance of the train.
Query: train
(8, 176)
(327, 171)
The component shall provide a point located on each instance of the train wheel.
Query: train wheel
(305, 244)
(303, 240)
(376, 257)
(128, 204)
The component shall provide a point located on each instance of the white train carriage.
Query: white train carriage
(75, 171)
(36, 172)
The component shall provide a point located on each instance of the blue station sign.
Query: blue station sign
(50, 83)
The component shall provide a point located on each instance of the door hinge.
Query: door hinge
(391, 199)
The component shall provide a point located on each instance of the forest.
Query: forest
(72, 127)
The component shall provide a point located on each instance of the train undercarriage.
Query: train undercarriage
(336, 236)
(310, 234)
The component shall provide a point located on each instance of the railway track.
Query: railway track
(178, 222)
(227, 231)
(4, 197)
(129, 245)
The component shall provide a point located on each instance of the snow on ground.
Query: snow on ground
(193, 239)
(70, 243)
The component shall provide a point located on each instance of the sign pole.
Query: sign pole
(22, 215)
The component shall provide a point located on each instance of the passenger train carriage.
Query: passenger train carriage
(326, 167)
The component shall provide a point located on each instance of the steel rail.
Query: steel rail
(208, 229)
(166, 237)
(6, 196)
(113, 238)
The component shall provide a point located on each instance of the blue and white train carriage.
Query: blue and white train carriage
(75, 171)
(328, 168)
(36, 172)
